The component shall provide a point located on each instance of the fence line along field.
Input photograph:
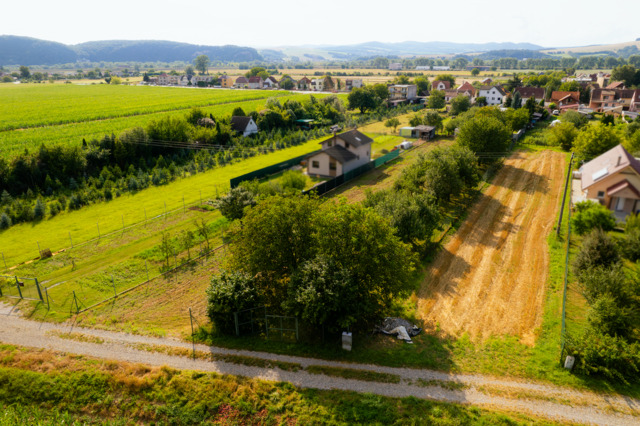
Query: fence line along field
(490, 277)
(85, 125)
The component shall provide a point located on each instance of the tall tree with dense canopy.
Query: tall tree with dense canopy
(485, 134)
(202, 64)
(595, 140)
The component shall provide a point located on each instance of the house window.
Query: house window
(332, 165)
(600, 194)
(346, 144)
(315, 164)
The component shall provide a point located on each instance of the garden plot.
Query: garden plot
(490, 278)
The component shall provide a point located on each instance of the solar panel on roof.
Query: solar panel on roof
(599, 174)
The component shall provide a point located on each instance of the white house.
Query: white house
(317, 84)
(340, 154)
(168, 80)
(353, 83)
(270, 83)
(493, 94)
(255, 82)
(402, 92)
(244, 125)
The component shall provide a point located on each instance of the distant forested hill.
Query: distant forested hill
(513, 53)
(15, 50)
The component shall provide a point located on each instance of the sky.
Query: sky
(549, 23)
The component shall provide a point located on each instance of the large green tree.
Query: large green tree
(202, 64)
(595, 140)
(436, 99)
(485, 135)
(363, 99)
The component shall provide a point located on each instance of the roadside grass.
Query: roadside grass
(46, 387)
(350, 373)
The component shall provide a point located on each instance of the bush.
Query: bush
(5, 221)
(229, 293)
(598, 250)
(293, 180)
(607, 316)
(608, 356)
(600, 280)
(630, 245)
(39, 210)
(591, 215)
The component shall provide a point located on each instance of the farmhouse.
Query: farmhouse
(241, 83)
(340, 154)
(304, 84)
(226, 81)
(255, 82)
(565, 100)
(244, 125)
(270, 83)
(353, 83)
(399, 93)
(613, 180)
(493, 94)
(441, 85)
(317, 84)
(528, 92)
(168, 80)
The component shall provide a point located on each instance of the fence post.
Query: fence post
(297, 335)
(113, 283)
(235, 319)
(123, 224)
(193, 338)
(98, 225)
(165, 210)
(18, 287)
(75, 299)
(5, 262)
(564, 197)
(46, 292)
(184, 207)
(70, 239)
(147, 268)
(39, 291)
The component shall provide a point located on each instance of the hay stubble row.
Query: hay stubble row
(490, 277)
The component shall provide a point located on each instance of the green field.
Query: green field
(31, 115)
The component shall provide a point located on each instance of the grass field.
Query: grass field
(36, 114)
(45, 387)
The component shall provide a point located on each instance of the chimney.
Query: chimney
(619, 160)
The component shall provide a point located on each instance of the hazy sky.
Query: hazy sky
(550, 23)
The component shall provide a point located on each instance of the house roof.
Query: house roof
(423, 128)
(241, 80)
(607, 164)
(340, 153)
(305, 80)
(497, 87)
(447, 84)
(353, 137)
(557, 96)
(616, 85)
(614, 189)
(527, 92)
(255, 79)
(239, 123)
(272, 79)
(466, 86)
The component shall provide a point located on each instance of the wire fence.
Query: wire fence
(563, 328)
(20, 287)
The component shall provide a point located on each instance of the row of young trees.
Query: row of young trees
(609, 345)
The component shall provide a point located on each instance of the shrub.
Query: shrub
(229, 293)
(5, 221)
(598, 250)
(600, 280)
(630, 245)
(607, 316)
(39, 210)
(590, 215)
(608, 356)
(293, 180)
(233, 204)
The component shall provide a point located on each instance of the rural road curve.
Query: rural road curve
(538, 399)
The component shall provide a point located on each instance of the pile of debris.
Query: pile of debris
(399, 327)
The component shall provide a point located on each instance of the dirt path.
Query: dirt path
(504, 394)
(490, 278)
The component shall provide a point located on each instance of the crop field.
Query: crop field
(31, 115)
(490, 277)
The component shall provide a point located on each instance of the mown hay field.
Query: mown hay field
(490, 277)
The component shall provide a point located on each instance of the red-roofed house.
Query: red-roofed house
(467, 87)
(613, 179)
(441, 85)
(565, 100)
(304, 84)
(241, 83)
(255, 82)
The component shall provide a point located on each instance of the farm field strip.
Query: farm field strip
(15, 141)
(38, 105)
(20, 242)
(482, 283)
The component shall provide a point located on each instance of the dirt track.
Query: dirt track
(490, 277)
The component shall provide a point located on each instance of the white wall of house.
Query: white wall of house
(317, 84)
(251, 128)
(320, 164)
(493, 96)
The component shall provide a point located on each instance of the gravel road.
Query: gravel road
(533, 398)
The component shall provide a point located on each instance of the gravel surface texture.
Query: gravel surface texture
(535, 398)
